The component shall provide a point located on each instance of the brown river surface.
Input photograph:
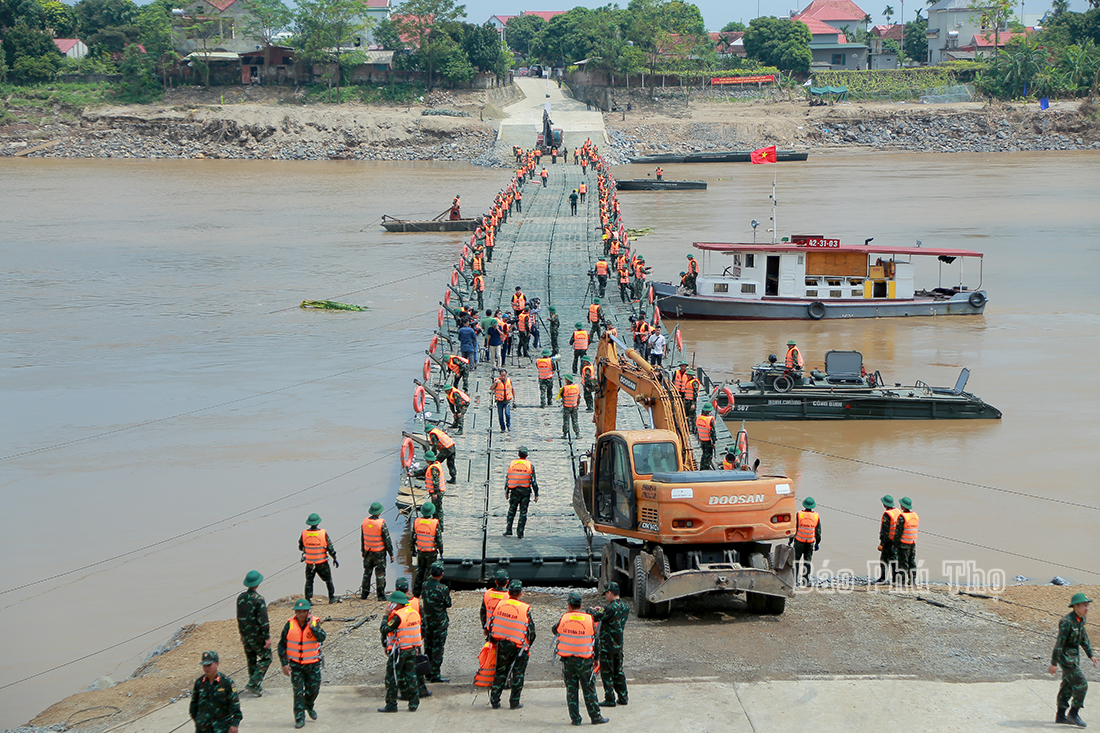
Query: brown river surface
(170, 416)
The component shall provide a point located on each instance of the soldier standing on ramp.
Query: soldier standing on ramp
(1071, 635)
(300, 655)
(376, 545)
(519, 486)
(576, 632)
(315, 546)
(612, 619)
(512, 629)
(255, 631)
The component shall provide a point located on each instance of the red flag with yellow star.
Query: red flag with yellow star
(763, 155)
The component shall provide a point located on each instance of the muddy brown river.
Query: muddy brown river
(170, 416)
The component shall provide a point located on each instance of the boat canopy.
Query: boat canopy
(835, 246)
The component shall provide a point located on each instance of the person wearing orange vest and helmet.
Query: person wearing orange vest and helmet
(520, 489)
(460, 368)
(579, 340)
(589, 382)
(905, 541)
(428, 546)
(544, 175)
(887, 532)
(402, 584)
(570, 396)
(512, 630)
(215, 706)
(519, 300)
(704, 428)
(576, 645)
(478, 286)
(793, 361)
(402, 640)
(807, 538)
(492, 597)
(376, 545)
(545, 366)
(595, 319)
(458, 401)
(444, 447)
(681, 382)
(519, 200)
(660, 172)
(434, 484)
(602, 271)
(692, 276)
(315, 546)
(300, 654)
(504, 397)
(624, 283)
(576, 156)
(524, 320)
(582, 189)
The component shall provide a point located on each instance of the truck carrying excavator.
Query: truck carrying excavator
(678, 532)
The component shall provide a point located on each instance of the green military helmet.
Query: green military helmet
(595, 301)
(253, 579)
(429, 455)
(809, 503)
(691, 257)
(553, 309)
(603, 259)
(791, 343)
(375, 509)
(546, 352)
(302, 604)
(683, 363)
(522, 450)
(579, 325)
(569, 377)
(906, 502)
(691, 372)
(501, 574)
(401, 584)
(888, 501)
(731, 450)
(708, 407)
(428, 509)
(515, 585)
(437, 569)
(314, 519)
(399, 598)
(682, 273)
(641, 259)
(1077, 598)
(574, 599)
(212, 657)
(587, 359)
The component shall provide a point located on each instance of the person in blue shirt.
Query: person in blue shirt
(467, 341)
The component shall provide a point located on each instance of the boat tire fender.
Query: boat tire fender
(729, 402)
(783, 383)
(816, 310)
(419, 396)
(407, 452)
(977, 299)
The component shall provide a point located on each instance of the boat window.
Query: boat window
(749, 288)
(811, 281)
(800, 260)
(811, 293)
(737, 258)
(835, 294)
(750, 260)
(721, 287)
(650, 458)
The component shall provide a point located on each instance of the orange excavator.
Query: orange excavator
(677, 531)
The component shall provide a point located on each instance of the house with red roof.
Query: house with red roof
(500, 21)
(836, 13)
(829, 48)
(730, 43)
(882, 56)
(72, 48)
(956, 31)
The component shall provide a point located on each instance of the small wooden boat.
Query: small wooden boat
(439, 224)
(652, 184)
(718, 156)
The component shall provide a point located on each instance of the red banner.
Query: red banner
(742, 79)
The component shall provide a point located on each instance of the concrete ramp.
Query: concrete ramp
(524, 121)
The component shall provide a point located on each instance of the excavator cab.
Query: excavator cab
(619, 463)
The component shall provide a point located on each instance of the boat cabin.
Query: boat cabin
(817, 268)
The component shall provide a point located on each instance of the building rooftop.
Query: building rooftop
(833, 10)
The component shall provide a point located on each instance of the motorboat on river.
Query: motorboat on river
(659, 184)
(843, 391)
(813, 277)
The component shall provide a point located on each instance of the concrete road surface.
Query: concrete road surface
(821, 705)
(524, 120)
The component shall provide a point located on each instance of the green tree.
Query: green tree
(415, 19)
(777, 42)
(1057, 7)
(34, 69)
(734, 27)
(95, 15)
(266, 19)
(59, 17)
(483, 49)
(995, 16)
(386, 35)
(3, 63)
(521, 30)
(139, 80)
(324, 28)
(915, 43)
(888, 11)
(453, 63)
(1080, 65)
(25, 41)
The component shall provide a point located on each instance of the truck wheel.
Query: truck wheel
(775, 605)
(607, 572)
(642, 607)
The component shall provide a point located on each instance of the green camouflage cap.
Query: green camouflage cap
(683, 363)
(808, 503)
(553, 309)
(437, 568)
(906, 502)
(522, 450)
(302, 604)
(691, 372)
(313, 520)
(401, 584)
(212, 657)
(515, 585)
(569, 377)
(574, 599)
(612, 587)
(731, 450)
(888, 501)
(595, 301)
(375, 509)
(502, 574)
(399, 598)
(428, 509)
(253, 579)
(1077, 598)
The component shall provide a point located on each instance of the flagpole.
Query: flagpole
(775, 174)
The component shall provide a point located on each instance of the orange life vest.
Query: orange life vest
(545, 365)
(444, 440)
(425, 530)
(807, 524)
(593, 314)
(502, 389)
(583, 188)
(315, 542)
(580, 340)
(433, 478)
(491, 598)
(521, 322)
(457, 397)
(576, 635)
(509, 622)
(486, 666)
(519, 302)
(909, 534)
(704, 424)
(680, 381)
(479, 284)
(372, 534)
(475, 263)
(588, 371)
(893, 514)
(520, 472)
(456, 363)
(624, 275)
(571, 395)
(693, 267)
(794, 358)
(407, 635)
(302, 646)
(614, 249)
(601, 267)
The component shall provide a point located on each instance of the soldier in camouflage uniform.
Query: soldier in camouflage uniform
(374, 559)
(512, 657)
(612, 619)
(402, 584)
(577, 668)
(215, 707)
(1071, 635)
(401, 662)
(435, 602)
(304, 671)
(255, 631)
(555, 326)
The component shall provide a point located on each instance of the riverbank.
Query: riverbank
(865, 635)
(271, 124)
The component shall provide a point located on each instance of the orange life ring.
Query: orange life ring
(656, 317)
(679, 340)
(427, 370)
(447, 297)
(419, 398)
(650, 293)
(433, 344)
(454, 277)
(729, 402)
(407, 452)
(439, 320)
(461, 264)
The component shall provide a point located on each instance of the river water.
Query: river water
(170, 416)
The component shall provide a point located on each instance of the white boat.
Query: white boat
(812, 277)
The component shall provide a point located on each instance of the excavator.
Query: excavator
(677, 531)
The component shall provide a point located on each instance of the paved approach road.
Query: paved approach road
(524, 120)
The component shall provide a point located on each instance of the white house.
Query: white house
(952, 27)
(72, 48)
